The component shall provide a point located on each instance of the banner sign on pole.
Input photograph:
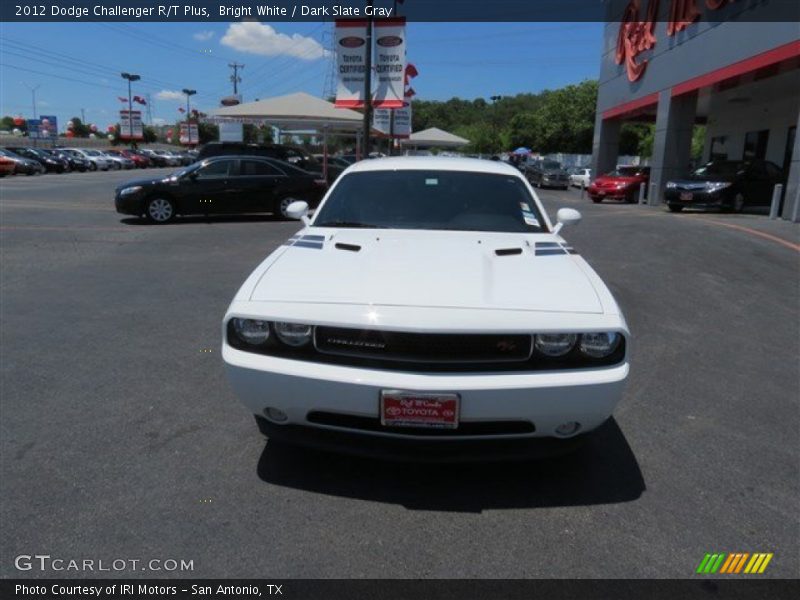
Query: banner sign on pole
(33, 128)
(351, 62)
(189, 134)
(390, 62)
(130, 125)
(381, 121)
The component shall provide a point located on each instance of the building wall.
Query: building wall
(770, 105)
(703, 47)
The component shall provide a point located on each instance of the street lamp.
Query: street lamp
(130, 77)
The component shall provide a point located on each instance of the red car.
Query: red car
(142, 162)
(620, 184)
(7, 166)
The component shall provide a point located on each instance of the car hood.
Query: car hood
(142, 182)
(692, 179)
(428, 269)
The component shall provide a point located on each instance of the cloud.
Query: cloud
(259, 38)
(159, 121)
(203, 36)
(170, 95)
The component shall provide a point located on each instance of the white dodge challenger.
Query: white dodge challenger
(429, 307)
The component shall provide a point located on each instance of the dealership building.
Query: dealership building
(718, 63)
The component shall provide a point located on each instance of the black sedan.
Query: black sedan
(24, 165)
(726, 185)
(75, 161)
(221, 185)
(50, 163)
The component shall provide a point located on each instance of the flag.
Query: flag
(411, 72)
(139, 99)
(121, 99)
(181, 109)
(410, 92)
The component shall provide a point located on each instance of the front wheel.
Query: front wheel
(159, 210)
(282, 206)
(738, 203)
(674, 208)
(597, 200)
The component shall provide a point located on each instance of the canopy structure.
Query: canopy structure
(434, 138)
(294, 111)
(522, 150)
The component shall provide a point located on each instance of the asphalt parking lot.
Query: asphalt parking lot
(120, 437)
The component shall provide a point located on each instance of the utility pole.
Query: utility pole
(189, 93)
(235, 77)
(33, 96)
(83, 116)
(368, 83)
(149, 111)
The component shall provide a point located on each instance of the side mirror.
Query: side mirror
(566, 216)
(298, 210)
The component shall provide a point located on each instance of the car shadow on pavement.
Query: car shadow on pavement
(198, 219)
(601, 471)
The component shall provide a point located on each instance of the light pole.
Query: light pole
(189, 93)
(130, 77)
(33, 97)
(368, 84)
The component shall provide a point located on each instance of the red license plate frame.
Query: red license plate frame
(433, 410)
(686, 196)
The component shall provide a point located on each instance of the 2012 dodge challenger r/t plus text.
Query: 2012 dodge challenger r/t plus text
(429, 307)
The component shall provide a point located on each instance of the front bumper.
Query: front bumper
(546, 399)
(129, 205)
(699, 199)
(612, 193)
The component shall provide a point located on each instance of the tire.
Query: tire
(738, 202)
(674, 208)
(597, 200)
(159, 210)
(93, 166)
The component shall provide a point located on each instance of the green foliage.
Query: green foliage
(559, 120)
(79, 128)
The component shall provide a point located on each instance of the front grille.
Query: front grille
(423, 347)
(469, 428)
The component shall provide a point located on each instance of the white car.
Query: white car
(118, 162)
(97, 159)
(428, 301)
(580, 176)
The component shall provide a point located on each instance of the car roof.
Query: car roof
(434, 163)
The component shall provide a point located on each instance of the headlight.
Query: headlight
(131, 190)
(293, 334)
(555, 344)
(717, 186)
(251, 331)
(599, 345)
(671, 185)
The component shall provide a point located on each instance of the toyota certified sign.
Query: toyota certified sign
(351, 62)
(390, 62)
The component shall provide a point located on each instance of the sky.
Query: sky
(76, 66)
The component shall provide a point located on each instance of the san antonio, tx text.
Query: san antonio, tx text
(129, 589)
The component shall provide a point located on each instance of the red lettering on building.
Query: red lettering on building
(682, 13)
(635, 36)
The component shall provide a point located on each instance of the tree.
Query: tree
(483, 138)
(79, 128)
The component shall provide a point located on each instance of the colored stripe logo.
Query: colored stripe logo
(306, 241)
(552, 249)
(734, 563)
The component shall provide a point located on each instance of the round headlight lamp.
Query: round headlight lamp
(555, 344)
(599, 345)
(294, 334)
(251, 331)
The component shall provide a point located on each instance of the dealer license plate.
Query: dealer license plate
(415, 409)
(686, 196)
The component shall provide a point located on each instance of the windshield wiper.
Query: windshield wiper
(353, 224)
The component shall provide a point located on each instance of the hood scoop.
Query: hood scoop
(348, 247)
(508, 251)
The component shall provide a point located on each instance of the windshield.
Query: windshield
(550, 165)
(435, 200)
(92, 153)
(625, 172)
(722, 168)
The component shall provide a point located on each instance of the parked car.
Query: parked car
(140, 160)
(580, 176)
(372, 333)
(23, 165)
(725, 184)
(50, 163)
(156, 159)
(172, 159)
(333, 161)
(223, 184)
(622, 183)
(125, 161)
(290, 154)
(7, 166)
(97, 159)
(545, 173)
(76, 163)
